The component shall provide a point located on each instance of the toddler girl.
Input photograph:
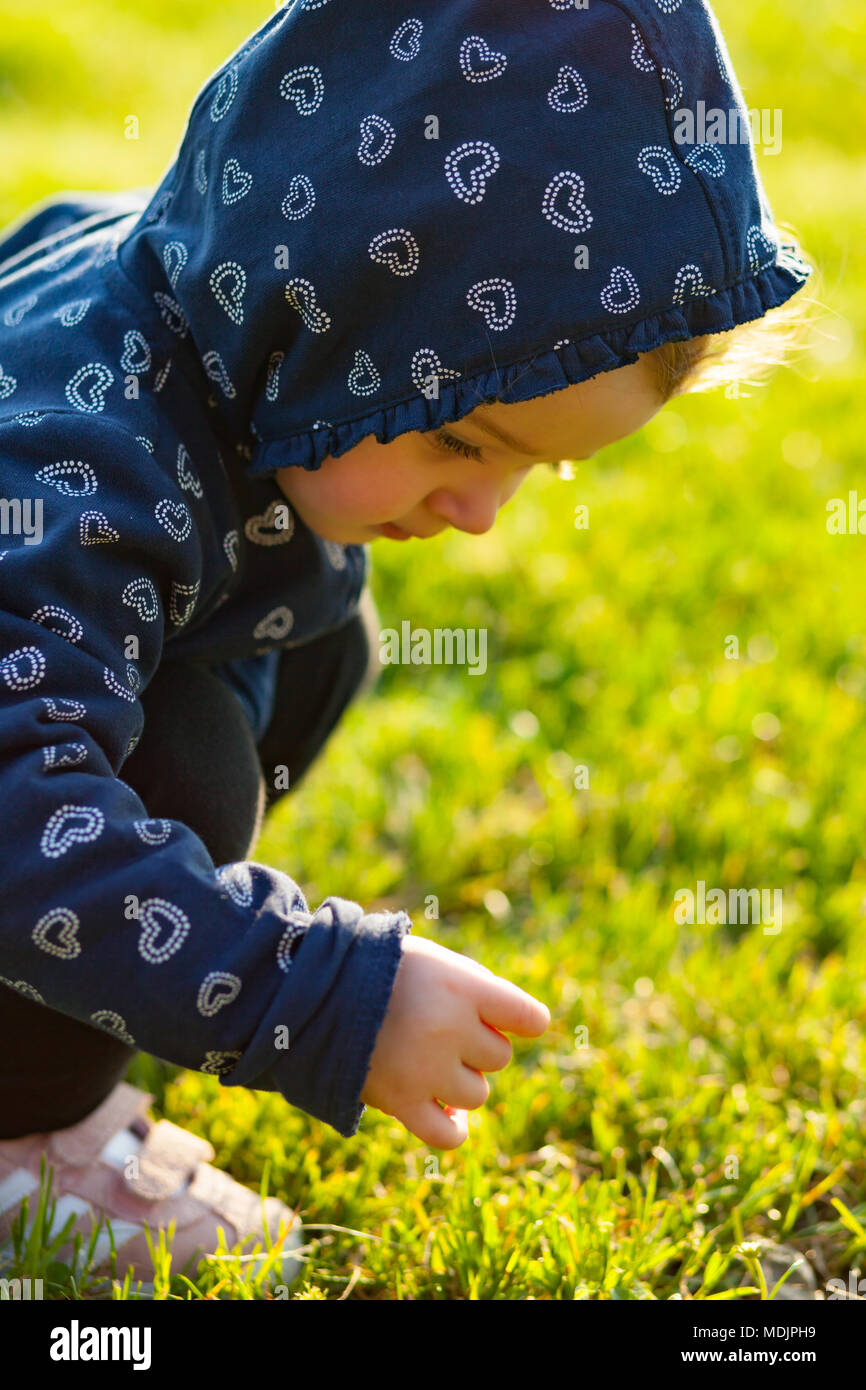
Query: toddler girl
(404, 254)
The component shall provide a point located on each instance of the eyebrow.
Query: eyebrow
(504, 437)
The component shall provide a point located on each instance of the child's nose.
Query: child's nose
(473, 509)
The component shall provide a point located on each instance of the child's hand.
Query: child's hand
(439, 1034)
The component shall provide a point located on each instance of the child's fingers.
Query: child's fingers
(487, 1050)
(476, 964)
(441, 1129)
(511, 1010)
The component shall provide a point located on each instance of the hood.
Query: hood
(381, 216)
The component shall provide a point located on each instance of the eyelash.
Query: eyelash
(457, 446)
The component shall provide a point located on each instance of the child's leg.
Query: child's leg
(315, 683)
(53, 1069)
(195, 762)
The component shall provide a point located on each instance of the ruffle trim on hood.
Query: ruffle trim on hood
(543, 372)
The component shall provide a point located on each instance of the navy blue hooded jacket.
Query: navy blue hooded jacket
(378, 217)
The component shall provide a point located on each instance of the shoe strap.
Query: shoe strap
(169, 1157)
(229, 1200)
(82, 1143)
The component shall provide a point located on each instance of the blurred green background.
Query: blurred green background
(712, 1127)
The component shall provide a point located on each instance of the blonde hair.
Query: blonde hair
(742, 356)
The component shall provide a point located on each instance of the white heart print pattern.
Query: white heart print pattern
(237, 880)
(174, 517)
(622, 293)
(56, 933)
(237, 182)
(377, 140)
(182, 601)
(119, 690)
(302, 296)
(186, 474)
(569, 93)
(153, 831)
(272, 386)
(296, 928)
(468, 168)
(406, 42)
(708, 158)
(68, 826)
(71, 314)
(639, 55)
(690, 282)
(569, 214)
(397, 249)
(218, 372)
(164, 927)
(761, 249)
(300, 199)
(427, 371)
(364, 377)
(23, 668)
(304, 87)
(231, 541)
(136, 356)
(60, 755)
(86, 389)
(496, 299)
(220, 1063)
(51, 613)
(661, 167)
(114, 1024)
(217, 989)
(277, 624)
(13, 316)
(262, 529)
(72, 478)
(94, 528)
(478, 61)
(63, 711)
(29, 991)
(672, 84)
(174, 258)
(228, 282)
(171, 313)
(224, 95)
(8, 384)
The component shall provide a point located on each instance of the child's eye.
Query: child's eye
(457, 446)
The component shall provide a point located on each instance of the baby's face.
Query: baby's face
(417, 485)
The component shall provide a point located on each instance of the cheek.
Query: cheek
(371, 482)
(371, 479)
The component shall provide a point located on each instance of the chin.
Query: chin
(340, 535)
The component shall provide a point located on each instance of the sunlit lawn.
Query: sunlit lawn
(702, 1087)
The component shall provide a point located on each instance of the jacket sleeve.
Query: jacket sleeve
(109, 916)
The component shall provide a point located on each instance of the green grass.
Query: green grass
(716, 1099)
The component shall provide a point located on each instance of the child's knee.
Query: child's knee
(260, 816)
